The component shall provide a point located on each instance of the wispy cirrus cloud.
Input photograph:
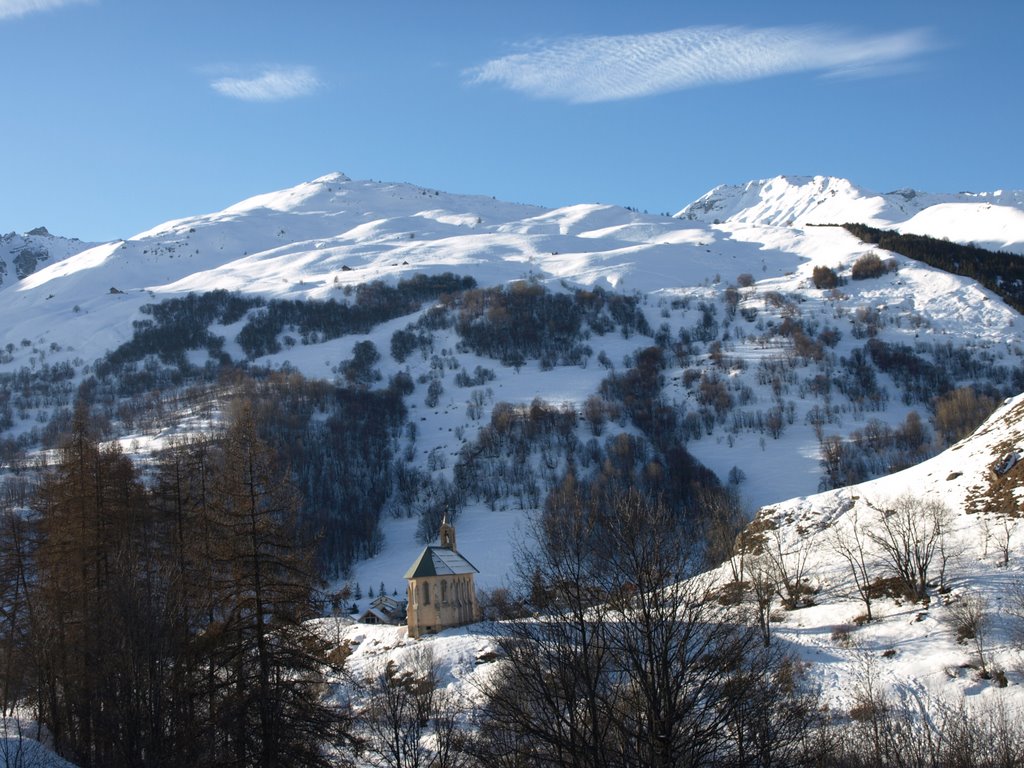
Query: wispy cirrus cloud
(275, 83)
(593, 69)
(10, 9)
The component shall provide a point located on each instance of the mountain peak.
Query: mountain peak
(784, 200)
(335, 177)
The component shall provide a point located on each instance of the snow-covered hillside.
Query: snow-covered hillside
(915, 646)
(909, 652)
(993, 220)
(760, 366)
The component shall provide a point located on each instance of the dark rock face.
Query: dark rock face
(26, 261)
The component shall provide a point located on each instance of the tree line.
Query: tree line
(1000, 272)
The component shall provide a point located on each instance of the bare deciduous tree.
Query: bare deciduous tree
(1014, 608)
(790, 565)
(763, 587)
(398, 714)
(910, 536)
(848, 539)
(633, 661)
(970, 615)
(723, 519)
(1003, 532)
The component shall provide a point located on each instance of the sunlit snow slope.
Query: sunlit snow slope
(912, 647)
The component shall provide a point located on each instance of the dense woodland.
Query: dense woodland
(165, 624)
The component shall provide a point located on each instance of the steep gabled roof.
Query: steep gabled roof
(386, 602)
(381, 616)
(440, 561)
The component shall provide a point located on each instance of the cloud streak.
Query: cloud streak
(594, 69)
(271, 84)
(11, 9)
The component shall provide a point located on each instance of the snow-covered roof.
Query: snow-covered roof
(385, 602)
(440, 561)
(382, 617)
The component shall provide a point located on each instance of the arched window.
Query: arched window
(426, 593)
(444, 591)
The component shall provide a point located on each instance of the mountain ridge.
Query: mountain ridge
(992, 220)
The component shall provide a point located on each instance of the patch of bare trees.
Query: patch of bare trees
(408, 721)
(971, 617)
(959, 412)
(632, 660)
(882, 731)
(910, 538)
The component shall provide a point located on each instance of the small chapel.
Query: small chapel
(441, 589)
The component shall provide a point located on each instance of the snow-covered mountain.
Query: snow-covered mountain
(311, 240)
(762, 372)
(993, 220)
(21, 255)
(724, 301)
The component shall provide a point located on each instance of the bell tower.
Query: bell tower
(447, 534)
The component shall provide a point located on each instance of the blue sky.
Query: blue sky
(120, 114)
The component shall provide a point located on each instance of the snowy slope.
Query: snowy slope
(914, 646)
(992, 220)
(21, 255)
(993, 226)
(910, 649)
